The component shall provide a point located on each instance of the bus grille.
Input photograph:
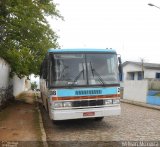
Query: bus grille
(88, 92)
(87, 103)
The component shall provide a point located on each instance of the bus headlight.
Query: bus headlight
(116, 101)
(67, 104)
(107, 102)
(58, 105)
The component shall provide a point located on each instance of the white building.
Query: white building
(138, 70)
(137, 85)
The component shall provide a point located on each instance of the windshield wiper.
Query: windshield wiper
(79, 75)
(97, 74)
(62, 73)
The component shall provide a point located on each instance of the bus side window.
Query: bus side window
(45, 70)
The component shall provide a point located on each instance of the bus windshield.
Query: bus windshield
(83, 69)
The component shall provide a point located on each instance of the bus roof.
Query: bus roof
(81, 50)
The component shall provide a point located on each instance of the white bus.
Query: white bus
(80, 83)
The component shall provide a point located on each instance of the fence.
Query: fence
(136, 90)
(146, 91)
(154, 85)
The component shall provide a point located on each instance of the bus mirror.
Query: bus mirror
(119, 59)
(120, 68)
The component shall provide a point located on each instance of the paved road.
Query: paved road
(135, 123)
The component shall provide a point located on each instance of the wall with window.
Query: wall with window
(151, 73)
(134, 72)
(131, 72)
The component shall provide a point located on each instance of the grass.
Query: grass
(23, 97)
(158, 94)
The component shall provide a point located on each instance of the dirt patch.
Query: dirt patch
(20, 120)
(27, 97)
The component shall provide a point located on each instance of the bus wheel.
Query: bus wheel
(98, 118)
(42, 97)
(42, 100)
(56, 122)
(47, 109)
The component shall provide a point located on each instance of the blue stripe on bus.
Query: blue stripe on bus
(81, 50)
(72, 92)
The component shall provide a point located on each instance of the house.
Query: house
(139, 70)
(141, 82)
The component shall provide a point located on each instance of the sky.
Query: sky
(35, 79)
(131, 27)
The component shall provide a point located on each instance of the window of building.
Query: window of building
(130, 75)
(140, 75)
(157, 75)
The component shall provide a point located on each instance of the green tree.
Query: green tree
(25, 34)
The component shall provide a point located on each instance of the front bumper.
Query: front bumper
(78, 113)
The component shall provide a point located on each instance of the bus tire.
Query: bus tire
(42, 97)
(47, 109)
(98, 118)
(56, 122)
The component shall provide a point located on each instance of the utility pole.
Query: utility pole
(142, 67)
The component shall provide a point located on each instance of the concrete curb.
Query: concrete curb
(140, 104)
(43, 137)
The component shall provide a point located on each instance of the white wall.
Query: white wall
(135, 90)
(4, 73)
(18, 85)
